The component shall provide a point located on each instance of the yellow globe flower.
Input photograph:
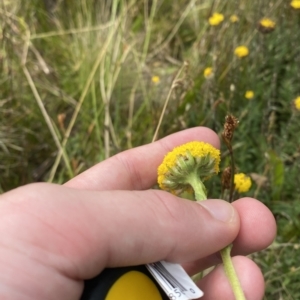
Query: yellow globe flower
(216, 19)
(295, 4)
(155, 79)
(241, 51)
(249, 95)
(242, 183)
(208, 72)
(297, 103)
(268, 23)
(234, 18)
(187, 163)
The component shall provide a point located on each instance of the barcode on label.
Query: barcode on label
(174, 281)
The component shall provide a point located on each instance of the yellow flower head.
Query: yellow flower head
(234, 18)
(242, 183)
(155, 79)
(216, 19)
(268, 23)
(195, 157)
(241, 51)
(297, 103)
(249, 95)
(295, 4)
(207, 72)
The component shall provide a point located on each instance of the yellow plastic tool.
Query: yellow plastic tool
(126, 283)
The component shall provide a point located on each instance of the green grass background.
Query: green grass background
(76, 87)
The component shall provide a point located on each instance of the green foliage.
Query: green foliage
(77, 85)
(282, 279)
(276, 175)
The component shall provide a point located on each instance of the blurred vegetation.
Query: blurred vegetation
(83, 80)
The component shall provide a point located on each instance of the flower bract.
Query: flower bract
(249, 95)
(188, 160)
(216, 19)
(241, 51)
(242, 182)
(297, 103)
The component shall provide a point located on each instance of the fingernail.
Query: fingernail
(219, 209)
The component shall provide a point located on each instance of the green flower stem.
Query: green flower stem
(198, 186)
(231, 190)
(231, 274)
(200, 195)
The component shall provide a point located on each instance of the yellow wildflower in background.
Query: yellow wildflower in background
(266, 25)
(249, 95)
(297, 103)
(208, 72)
(295, 4)
(155, 79)
(241, 51)
(216, 19)
(234, 18)
(185, 163)
(242, 183)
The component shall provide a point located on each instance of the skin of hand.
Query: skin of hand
(54, 237)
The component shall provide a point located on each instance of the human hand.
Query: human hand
(54, 237)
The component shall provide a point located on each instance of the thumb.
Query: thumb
(147, 226)
(86, 231)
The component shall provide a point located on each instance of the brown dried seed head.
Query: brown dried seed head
(226, 178)
(230, 124)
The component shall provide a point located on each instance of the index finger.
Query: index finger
(136, 169)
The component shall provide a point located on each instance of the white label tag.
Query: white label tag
(174, 281)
